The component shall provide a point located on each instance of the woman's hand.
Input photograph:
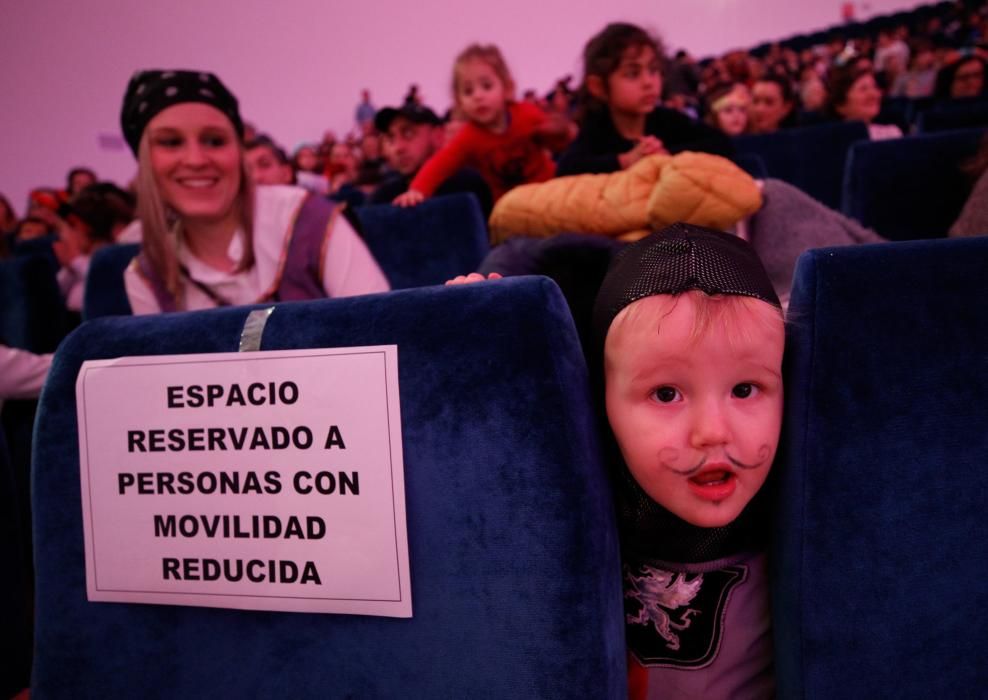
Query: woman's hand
(646, 146)
(473, 277)
(409, 199)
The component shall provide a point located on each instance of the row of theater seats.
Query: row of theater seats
(414, 248)
(852, 29)
(879, 568)
(906, 188)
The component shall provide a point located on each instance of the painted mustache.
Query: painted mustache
(671, 456)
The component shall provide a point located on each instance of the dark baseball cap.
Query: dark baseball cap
(417, 114)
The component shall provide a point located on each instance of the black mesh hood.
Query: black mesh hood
(677, 259)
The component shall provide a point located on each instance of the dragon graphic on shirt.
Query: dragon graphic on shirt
(662, 594)
(676, 618)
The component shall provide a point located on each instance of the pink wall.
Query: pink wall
(298, 66)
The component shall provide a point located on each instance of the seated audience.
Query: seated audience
(921, 77)
(812, 96)
(962, 78)
(210, 238)
(372, 165)
(267, 162)
(31, 228)
(773, 105)
(79, 179)
(621, 122)
(411, 134)
(97, 216)
(855, 96)
(727, 109)
(308, 169)
(364, 114)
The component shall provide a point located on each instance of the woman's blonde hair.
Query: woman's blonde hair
(161, 226)
(492, 56)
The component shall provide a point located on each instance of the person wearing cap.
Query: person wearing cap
(688, 333)
(210, 238)
(411, 134)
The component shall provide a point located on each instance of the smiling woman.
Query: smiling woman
(210, 238)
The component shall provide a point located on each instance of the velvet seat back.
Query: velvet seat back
(105, 292)
(880, 565)
(811, 158)
(428, 244)
(912, 187)
(953, 114)
(514, 562)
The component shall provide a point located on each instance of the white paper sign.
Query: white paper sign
(260, 480)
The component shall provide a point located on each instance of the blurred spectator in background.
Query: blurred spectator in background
(812, 94)
(372, 166)
(855, 96)
(77, 180)
(727, 109)
(267, 163)
(98, 215)
(921, 77)
(773, 105)
(892, 53)
(364, 114)
(307, 171)
(30, 228)
(412, 97)
(961, 78)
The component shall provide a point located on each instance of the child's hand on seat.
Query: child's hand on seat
(473, 277)
(409, 199)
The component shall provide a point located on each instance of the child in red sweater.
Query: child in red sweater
(504, 140)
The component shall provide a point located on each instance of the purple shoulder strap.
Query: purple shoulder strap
(301, 275)
(166, 302)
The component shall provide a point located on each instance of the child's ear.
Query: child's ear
(596, 87)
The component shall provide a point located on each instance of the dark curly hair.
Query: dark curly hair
(602, 56)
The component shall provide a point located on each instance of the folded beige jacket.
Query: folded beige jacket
(697, 188)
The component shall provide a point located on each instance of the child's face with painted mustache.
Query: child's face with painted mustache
(694, 397)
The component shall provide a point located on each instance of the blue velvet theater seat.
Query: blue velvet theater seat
(811, 158)
(911, 187)
(513, 549)
(439, 239)
(881, 569)
(105, 292)
(955, 114)
(752, 164)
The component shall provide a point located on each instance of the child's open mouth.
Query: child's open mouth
(714, 484)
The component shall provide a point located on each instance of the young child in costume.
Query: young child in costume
(504, 140)
(621, 120)
(692, 334)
